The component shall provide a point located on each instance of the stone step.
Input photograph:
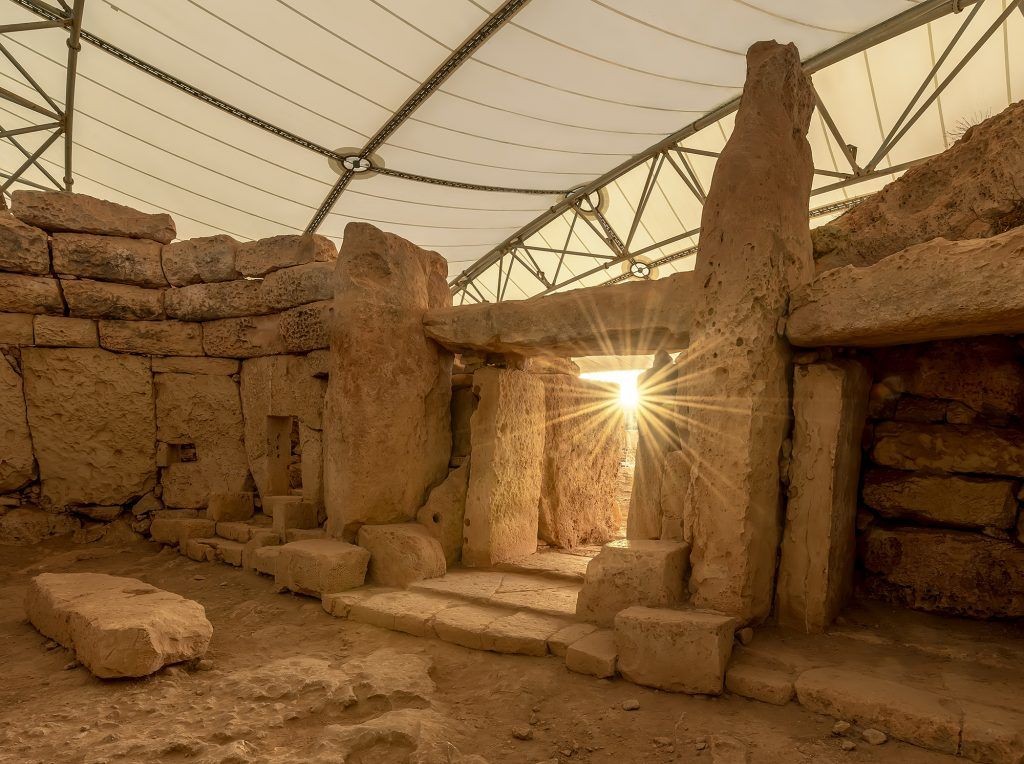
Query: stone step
(556, 564)
(538, 593)
(243, 531)
(214, 549)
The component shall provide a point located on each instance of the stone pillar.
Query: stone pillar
(755, 247)
(830, 403)
(387, 426)
(657, 434)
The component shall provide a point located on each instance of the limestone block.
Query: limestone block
(298, 330)
(949, 448)
(305, 328)
(64, 332)
(17, 466)
(818, 547)
(108, 258)
(401, 553)
(23, 249)
(907, 713)
(312, 469)
(389, 387)
(16, 328)
(298, 285)
(152, 337)
(676, 521)
(236, 530)
(594, 654)
(321, 566)
(966, 502)
(98, 299)
(258, 258)
(522, 633)
(463, 405)
(965, 192)
(118, 627)
(583, 441)
(674, 650)
(194, 365)
(259, 540)
(199, 550)
(226, 299)
(559, 642)
(301, 534)
(290, 512)
(229, 507)
(29, 294)
(264, 560)
(208, 259)
(203, 410)
(945, 571)
(58, 211)
(26, 526)
(992, 734)
(758, 251)
(90, 413)
(632, 572)
(767, 685)
(408, 612)
(466, 625)
(658, 423)
(178, 530)
(444, 513)
(625, 319)
(507, 467)
(318, 361)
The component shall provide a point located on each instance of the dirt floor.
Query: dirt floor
(274, 691)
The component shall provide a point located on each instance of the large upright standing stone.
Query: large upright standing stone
(755, 247)
(388, 426)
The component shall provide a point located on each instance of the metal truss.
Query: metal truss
(59, 121)
(579, 208)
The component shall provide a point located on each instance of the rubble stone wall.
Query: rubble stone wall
(137, 374)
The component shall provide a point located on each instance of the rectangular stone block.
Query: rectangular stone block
(17, 466)
(596, 654)
(298, 330)
(408, 612)
(226, 299)
(298, 285)
(633, 572)
(818, 546)
(965, 502)
(290, 512)
(949, 448)
(767, 685)
(108, 258)
(674, 650)
(264, 560)
(152, 337)
(229, 506)
(65, 332)
(401, 553)
(258, 258)
(23, 249)
(234, 530)
(559, 642)
(58, 211)
(207, 259)
(175, 531)
(251, 554)
(195, 365)
(98, 299)
(16, 328)
(321, 566)
(29, 294)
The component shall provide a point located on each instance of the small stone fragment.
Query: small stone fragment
(631, 704)
(522, 733)
(840, 728)
(848, 745)
(873, 736)
(745, 635)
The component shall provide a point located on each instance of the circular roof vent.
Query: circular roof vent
(352, 160)
(639, 267)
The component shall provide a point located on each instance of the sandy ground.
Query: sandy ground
(270, 694)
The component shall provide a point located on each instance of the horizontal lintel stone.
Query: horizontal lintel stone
(60, 211)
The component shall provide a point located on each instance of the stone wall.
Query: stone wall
(941, 527)
(138, 375)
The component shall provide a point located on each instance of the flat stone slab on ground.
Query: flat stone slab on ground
(320, 566)
(118, 627)
(406, 611)
(595, 654)
(522, 633)
(759, 683)
(565, 564)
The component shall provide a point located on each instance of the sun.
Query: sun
(629, 393)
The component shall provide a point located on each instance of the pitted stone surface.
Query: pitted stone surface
(98, 299)
(29, 294)
(152, 337)
(258, 258)
(108, 258)
(65, 332)
(208, 259)
(23, 249)
(16, 462)
(444, 513)
(401, 553)
(320, 566)
(58, 211)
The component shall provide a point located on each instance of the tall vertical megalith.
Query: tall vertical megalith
(755, 247)
(387, 427)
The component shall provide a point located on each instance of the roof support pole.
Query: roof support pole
(74, 46)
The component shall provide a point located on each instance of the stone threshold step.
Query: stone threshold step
(531, 592)
(555, 564)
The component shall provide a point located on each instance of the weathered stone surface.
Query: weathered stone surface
(507, 467)
(465, 626)
(290, 512)
(16, 463)
(229, 507)
(108, 258)
(59, 211)
(91, 417)
(29, 294)
(583, 442)
(632, 572)
(401, 553)
(624, 319)
(118, 627)
(916, 716)
(192, 365)
(760, 683)
(389, 389)
(298, 330)
(208, 259)
(320, 566)
(409, 612)
(23, 249)
(949, 448)
(658, 424)
(464, 402)
(755, 250)
(594, 654)
(203, 410)
(98, 299)
(177, 530)
(992, 734)
(263, 559)
(523, 633)
(675, 650)
(945, 571)
(16, 328)
(815, 578)
(305, 328)
(444, 513)
(25, 526)
(152, 337)
(226, 299)
(931, 291)
(258, 258)
(301, 284)
(64, 332)
(676, 521)
(561, 640)
(966, 192)
(966, 502)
